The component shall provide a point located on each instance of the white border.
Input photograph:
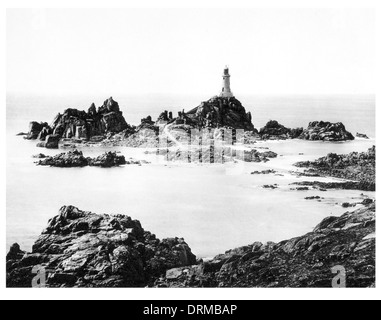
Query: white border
(173, 294)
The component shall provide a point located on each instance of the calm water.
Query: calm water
(213, 207)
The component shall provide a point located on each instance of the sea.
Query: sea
(214, 207)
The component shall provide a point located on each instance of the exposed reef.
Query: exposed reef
(360, 168)
(275, 131)
(77, 159)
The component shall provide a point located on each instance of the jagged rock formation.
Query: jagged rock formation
(358, 167)
(81, 125)
(76, 159)
(218, 112)
(83, 249)
(35, 128)
(305, 261)
(326, 131)
(274, 130)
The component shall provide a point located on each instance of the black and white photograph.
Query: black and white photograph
(190, 147)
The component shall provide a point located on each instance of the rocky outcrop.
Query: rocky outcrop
(76, 159)
(218, 112)
(76, 124)
(107, 160)
(51, 142)
(256, 156)
(326, 131)
(35, 128)
(360, 168)
(83, 249)
(274, 130)
(307, 261)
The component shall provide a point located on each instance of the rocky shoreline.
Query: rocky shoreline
(359, 168)
(83, 249)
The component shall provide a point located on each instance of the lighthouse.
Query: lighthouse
(226, 92)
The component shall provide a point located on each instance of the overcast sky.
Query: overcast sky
(129, 51)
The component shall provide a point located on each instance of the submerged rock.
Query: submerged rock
(83, 249)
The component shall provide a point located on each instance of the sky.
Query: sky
(184, 51)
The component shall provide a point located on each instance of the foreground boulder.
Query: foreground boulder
(83, 249)
(359, 167)
(326, 131)
(347, 241)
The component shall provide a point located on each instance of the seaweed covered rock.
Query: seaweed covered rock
(84, 249)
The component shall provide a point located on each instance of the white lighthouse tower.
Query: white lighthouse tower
(226, 92)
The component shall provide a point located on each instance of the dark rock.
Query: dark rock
(264, 172)
(348, 205)
(304, 261)
(76, 158)
(70, 159)
(44, 133)
(76, 124)
(361, 135)
(274, 130)
(107, 160)
(360, 168)
(35, 129)
(39, 156)
(367, 202)
(312, 198)
(21, 134)
(256, 156)
(83, 249)
(326, 131)
(270, 186)
(15, 253)
(218, 112)
(51, 141)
